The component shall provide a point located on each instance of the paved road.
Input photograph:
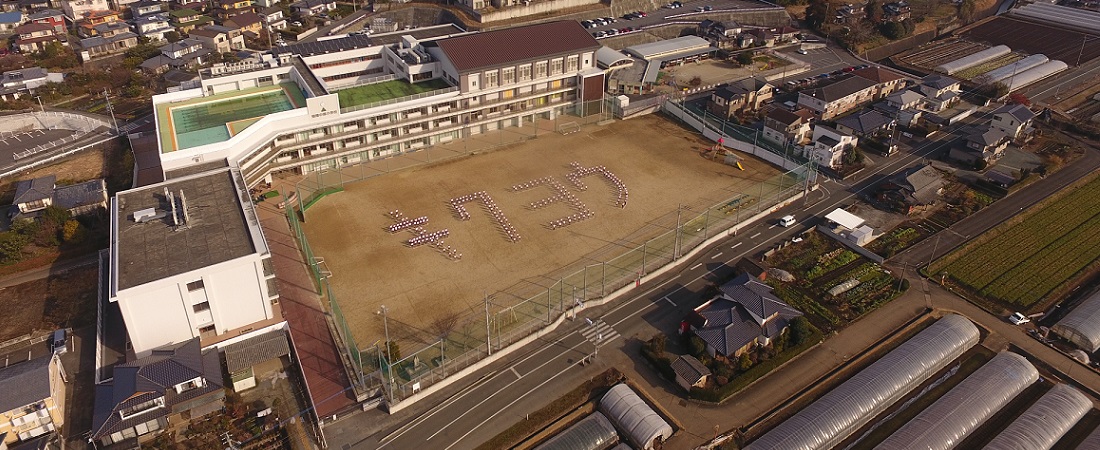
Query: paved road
(508, 390)
(686, 14)
(43, 272)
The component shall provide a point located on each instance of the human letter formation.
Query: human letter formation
(422, 235)
(580, 172)
(490, 207)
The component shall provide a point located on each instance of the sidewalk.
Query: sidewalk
(327, 383)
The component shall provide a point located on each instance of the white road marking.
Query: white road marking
(735, 245)
(716, 255)
(670, 300)
(754, 236)
(695, 266)
(773, 226)
(516, 372)
(509, 405)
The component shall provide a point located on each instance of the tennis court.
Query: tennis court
(216, 118)
(386, 90)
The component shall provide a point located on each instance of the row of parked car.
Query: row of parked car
(810, 80)
(614, 32)
(598, 22)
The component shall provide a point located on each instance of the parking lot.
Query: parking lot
(695, 10)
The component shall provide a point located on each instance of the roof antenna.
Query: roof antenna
(186, 213)
(172, 205)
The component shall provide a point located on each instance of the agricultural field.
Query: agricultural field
(1035, 257)
(832, 284)
(1055, 42)
(935, 53)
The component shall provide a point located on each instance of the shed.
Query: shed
(844, 219)
(638, 422)
(690, 372)
(594, 432)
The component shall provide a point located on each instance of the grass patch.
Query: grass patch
(969, 365)
(590, 390)
(317, 196)
(1036, 256)
(386, 90)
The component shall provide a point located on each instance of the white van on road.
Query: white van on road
(786, 221)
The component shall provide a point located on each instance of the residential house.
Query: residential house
(85, 27)
(784, 127)
(690, 372)
(761, 37)
(147, 7)
(256, 357)
(32, 399)
(744, 314)
(266, 3)
(218, 38)
(192, 4)
(112, 38)
(746, 40)
(33, 37)
(153, 26)
(171, 386)
(986, 145)
(1013, 120)
(740, 97)
(904, 106)
(31, 6)
(227, 9)
(20, 82)
(51, 17)
(912, 190)
(940, 92)
(76, 9)
(34, 196)
(720, 34)
(186, 20)
(887, 81)
(850, 13)
(839, 97)
(246, 23)
(896, 11)
(273, 18)
(827, 146)
(905, 100)
(11, 20)
(186, 53)
(868, 122)
(306, 8)
(785, 34)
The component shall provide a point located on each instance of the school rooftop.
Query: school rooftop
(236, 112)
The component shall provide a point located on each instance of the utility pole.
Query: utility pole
(488, 335)
(676, 240)
(111, 109)
(39, 98)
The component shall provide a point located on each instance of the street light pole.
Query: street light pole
(39, 98)
(111, 109)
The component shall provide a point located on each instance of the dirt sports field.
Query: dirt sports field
(1057, 43)
(659, 161)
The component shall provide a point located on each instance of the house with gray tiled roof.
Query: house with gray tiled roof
(32, 399)
(743, 315)
(837, 98)
(690, 372)
(34, 196)
(175, 383)
(865, 123)
(912, 189)
(1013, 120)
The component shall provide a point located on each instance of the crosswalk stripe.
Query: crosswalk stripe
(601, 330)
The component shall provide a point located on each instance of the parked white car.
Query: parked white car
(1018, 318)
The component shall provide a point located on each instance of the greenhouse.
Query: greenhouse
(1091, 442)
(960, 411)
(594, 432)
(1082, 325)
(1035, 74)
(1045, 422)
(1073, 18)
(1001, 73)
(641, 425)
(974, 59)
(843, 410)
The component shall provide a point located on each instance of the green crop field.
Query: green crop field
(1022, 262)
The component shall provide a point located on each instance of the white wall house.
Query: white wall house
(188, 259)
(828, 146)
